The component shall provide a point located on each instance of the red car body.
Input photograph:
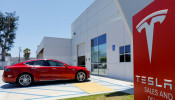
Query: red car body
(42, 73)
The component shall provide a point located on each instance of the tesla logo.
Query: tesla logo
(158, 16)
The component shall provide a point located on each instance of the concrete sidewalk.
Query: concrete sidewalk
(59, 89)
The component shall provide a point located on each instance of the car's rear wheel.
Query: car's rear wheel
(25, 79)
(81, 76)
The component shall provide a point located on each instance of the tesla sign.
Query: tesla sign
(154, 51)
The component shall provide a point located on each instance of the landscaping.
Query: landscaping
(106, 96)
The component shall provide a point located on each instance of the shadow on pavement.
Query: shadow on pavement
(127, 92)
(117, 94)
(45, 83)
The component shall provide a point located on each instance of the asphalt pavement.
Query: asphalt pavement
(62, 89)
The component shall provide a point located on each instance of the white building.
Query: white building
(4, 63)
(55, 48)
(99, 42)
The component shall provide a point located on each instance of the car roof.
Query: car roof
(21, 63)
(41, 59)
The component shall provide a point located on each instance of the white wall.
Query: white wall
(41, 46)
(81, 50)
(56, 48)
(132, 8)
(4, 63)
(100, 18)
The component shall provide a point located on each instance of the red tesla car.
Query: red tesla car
(25, 73)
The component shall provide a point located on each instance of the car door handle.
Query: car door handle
(53, 68)
(33, 68)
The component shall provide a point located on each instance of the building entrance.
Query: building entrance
(98, 55)
(81, 55)
(81, 61)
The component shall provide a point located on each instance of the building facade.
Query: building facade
(108, 48)
(55, 48)
(100, 42)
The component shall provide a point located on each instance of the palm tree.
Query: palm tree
(26, 53)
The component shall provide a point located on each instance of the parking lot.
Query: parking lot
(62, 89)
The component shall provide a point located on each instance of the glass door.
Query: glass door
(98, 55)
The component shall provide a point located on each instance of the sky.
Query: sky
(40, 18)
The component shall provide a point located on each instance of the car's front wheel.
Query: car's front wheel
(81, 76)
(25, 79)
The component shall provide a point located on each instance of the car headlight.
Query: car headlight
(7, 69)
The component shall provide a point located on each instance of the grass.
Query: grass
(106, 96)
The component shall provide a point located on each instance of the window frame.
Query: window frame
(102, 42)
(124, 53)
(55, 61)
(35, 61)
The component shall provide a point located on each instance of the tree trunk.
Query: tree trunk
(26, 56)
(3, 55)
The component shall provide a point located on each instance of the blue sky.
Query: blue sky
(39, 18)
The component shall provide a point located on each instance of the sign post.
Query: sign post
(154, 51)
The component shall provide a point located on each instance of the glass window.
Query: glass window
(38, 63)
(94, 57)
(29, 63)
(102, 47)
(122, 58)
(102, 66)
(127, 49)
(122, 50)
(127, 58)
(102, 39)
(94, 44)
(94, 68)
(102, 57)
(55, 63)
(125, 53)
(98, 55)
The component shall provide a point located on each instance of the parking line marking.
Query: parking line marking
(112, 83)
(22, 93)
(55, 90)
(59, 96)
